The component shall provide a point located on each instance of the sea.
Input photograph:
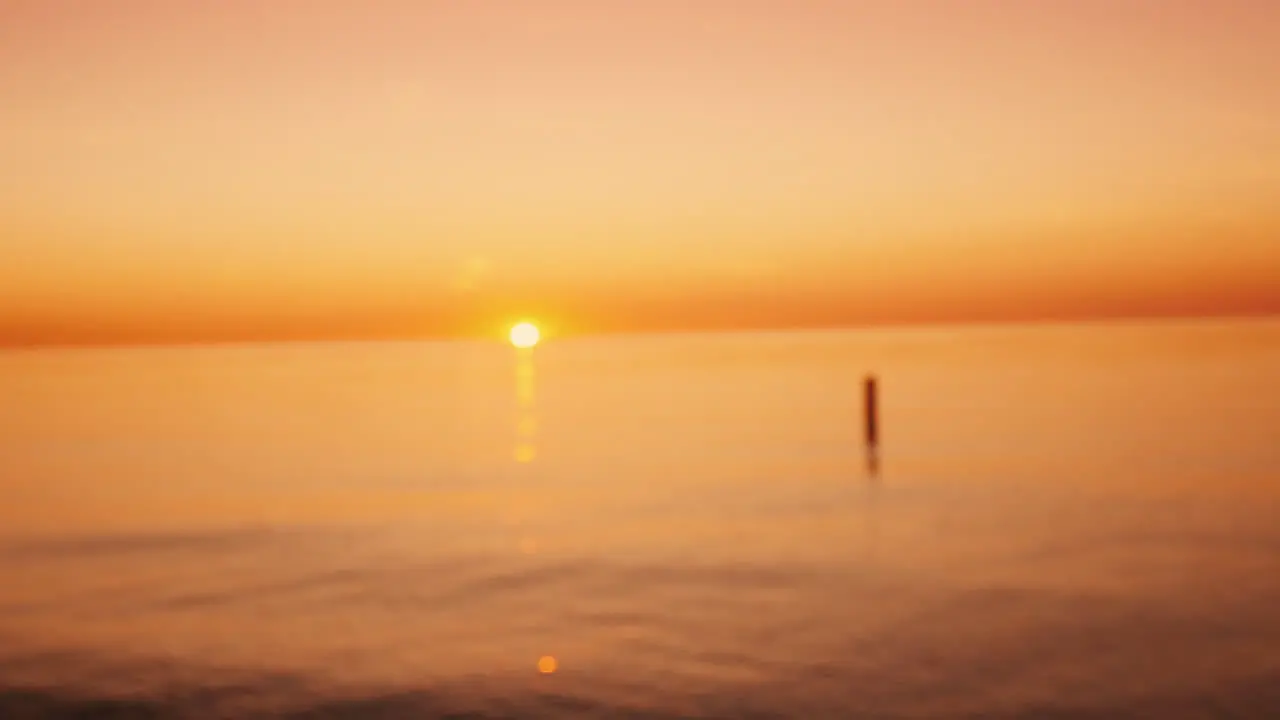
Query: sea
(1057, 521)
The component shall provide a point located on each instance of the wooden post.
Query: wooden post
(869, 403)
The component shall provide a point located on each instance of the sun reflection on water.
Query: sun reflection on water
(526, 449)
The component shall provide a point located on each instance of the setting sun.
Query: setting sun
(524, 335)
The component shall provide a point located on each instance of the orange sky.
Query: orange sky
(223, 169)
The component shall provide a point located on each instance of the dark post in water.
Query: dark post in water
(869, 402)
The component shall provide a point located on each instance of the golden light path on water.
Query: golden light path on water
(524, 337)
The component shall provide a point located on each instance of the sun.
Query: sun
(524, 335)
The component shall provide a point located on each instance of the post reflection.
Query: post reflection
(526, 416)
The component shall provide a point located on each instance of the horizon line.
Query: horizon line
(907, 325)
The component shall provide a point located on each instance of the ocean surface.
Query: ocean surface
(1075, 521)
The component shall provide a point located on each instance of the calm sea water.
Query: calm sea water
(1071, 521)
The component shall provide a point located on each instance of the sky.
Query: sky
(190, 170)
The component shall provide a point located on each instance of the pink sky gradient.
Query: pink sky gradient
(216, 169)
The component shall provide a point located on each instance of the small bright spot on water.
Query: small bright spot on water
(546, 664)
(524, 335)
